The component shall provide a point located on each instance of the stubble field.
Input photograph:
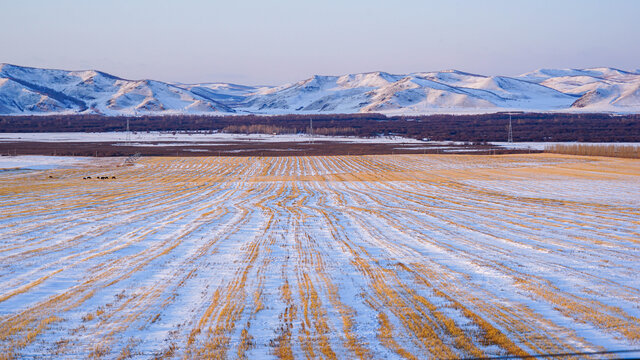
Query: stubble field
(384, 256)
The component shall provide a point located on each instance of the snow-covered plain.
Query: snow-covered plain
(411, 256)
(185, 138)
(544, 145)
(200, 138)
(37, 162)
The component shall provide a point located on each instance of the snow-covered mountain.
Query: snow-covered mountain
(602, 89)
(25, 90)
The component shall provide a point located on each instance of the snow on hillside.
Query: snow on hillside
(599, 89)
(315, 95)
(229, 94)
(25, 90)
(93, 92)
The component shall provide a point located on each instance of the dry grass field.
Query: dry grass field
(370, 257)
(612, 150)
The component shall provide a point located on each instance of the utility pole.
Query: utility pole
(311, 130)
(128, 134)
(510, 129)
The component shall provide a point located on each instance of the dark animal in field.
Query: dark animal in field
(113, 177)
(50, 177)
(88, 177)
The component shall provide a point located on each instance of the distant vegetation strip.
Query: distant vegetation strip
(472, 128)
(613, 150)
(281, 130)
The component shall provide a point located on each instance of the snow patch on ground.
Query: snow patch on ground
(37, 162)
(543, 145)
(190, 138)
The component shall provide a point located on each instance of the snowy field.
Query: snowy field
(38, 162)
(544, 145)
(202, 138)
(405, 256)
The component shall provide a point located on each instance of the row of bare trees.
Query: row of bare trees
(473, 128)
(610, 150)
(258, 129)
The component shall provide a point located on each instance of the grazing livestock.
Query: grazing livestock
(100, 177)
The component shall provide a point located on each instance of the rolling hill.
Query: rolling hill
(25, 90)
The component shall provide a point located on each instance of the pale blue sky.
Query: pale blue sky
(277, 41)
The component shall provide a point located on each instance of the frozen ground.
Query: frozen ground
(543, 145)
(170, 139)
(37, 162)
(404, 256)
(205, 138)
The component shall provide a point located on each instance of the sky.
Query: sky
(258, 42)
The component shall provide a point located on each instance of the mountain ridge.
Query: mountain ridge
(30, 90)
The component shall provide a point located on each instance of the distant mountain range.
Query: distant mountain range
(26, 90)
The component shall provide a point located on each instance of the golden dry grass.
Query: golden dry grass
(611, 150)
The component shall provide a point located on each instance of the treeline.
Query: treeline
(258, 129)
(279, 130)
(472, 128)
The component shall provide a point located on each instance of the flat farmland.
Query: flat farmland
(381, 256)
